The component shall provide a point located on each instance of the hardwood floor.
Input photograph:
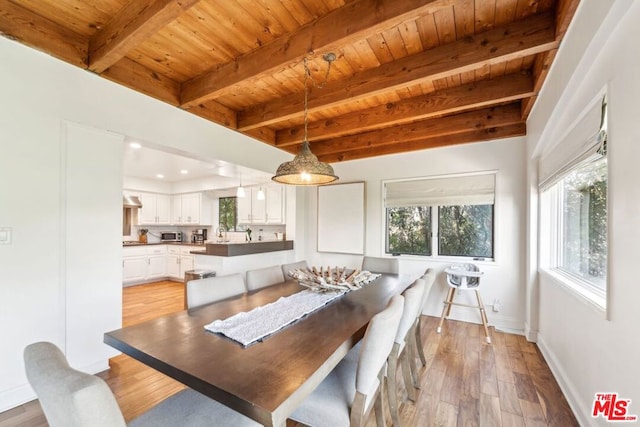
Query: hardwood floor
(465, 383)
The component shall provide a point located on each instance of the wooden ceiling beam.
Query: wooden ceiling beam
(142, 79)
(449, 125)
(216, 113)
(481, 135)
(343, 26)
(20, 24)
(442, 102)
(565, 10)
(516, 40)
(132, 25)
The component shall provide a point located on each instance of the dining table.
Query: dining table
(268, 380)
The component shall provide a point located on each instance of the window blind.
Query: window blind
(585, 142)
(462, 190)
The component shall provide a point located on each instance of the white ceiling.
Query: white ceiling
(147, 162)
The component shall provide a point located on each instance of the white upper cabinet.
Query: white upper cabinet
(155, 209)
(191, 209)
(267, 211)
(275, 204)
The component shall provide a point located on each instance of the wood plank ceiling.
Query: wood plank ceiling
(409, 74)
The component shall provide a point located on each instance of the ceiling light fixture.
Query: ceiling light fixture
(240, 190)
(305, 168)
(135, 145)
(159, 176)
(260, 195)
(184, 171)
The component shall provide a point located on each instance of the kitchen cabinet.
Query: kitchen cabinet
(267, 211)
(156, 262)
(275, 204)
(156, 209)
(191, 209)
(144, 263)
(179, 260)
(134, 269)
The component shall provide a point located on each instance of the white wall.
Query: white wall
(504, 278)
(591, 351)
(47, 291)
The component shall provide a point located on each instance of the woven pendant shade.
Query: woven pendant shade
(305, 168)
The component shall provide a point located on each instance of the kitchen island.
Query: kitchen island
(245, 248)
(229, 258)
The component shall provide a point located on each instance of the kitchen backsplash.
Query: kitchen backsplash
(268, 232)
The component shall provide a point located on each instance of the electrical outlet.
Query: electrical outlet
(5, 235)
(496, 305)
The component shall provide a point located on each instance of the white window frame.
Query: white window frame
(434, 224)
(552, 224)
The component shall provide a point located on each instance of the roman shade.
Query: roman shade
(450, 191)
(584, 142)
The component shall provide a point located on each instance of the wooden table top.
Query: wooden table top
(267, 380)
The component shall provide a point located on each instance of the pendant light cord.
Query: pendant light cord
(306, 99)
(329, 57)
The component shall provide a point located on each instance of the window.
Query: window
(228, 213)
(441, 216)
(581, 232)
(466, 230)
(409, 230)
(573, 183)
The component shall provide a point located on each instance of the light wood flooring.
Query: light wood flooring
(466, 382)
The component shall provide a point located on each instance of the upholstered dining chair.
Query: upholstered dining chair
(212, 289)
(347, 395)
(381, 265)
(464, 277)
(263, 277)
(429, 278)
(403, 349)
(298, 265)
(70, 398)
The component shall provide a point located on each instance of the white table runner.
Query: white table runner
(251, 326)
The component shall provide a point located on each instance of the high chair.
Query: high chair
(464, 277)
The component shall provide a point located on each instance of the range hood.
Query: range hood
(131, 202)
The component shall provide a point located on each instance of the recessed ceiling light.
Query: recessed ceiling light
(184, 171)
(135, 145)
(159, 176)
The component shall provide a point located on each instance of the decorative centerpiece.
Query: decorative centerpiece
(332, 279)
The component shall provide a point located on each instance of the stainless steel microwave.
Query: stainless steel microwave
(171, 236)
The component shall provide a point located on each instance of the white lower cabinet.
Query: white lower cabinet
(134, 269)
(143, 263)
(179, 260)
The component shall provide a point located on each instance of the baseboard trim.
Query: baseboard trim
(568, 389)
(16, 396)
(507, 324)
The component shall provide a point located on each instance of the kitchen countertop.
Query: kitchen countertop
(245, 248)
(127, 244)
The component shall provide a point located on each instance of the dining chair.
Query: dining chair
(347, 395)
(70, 398)
(381, 265)
(212, 289)
(263, 277)
(464, 277)
(429, 278)
(299, 265)
(403, 349)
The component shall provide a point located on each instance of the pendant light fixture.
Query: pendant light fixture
(260, 194)
(240, 190)
(305, 168)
